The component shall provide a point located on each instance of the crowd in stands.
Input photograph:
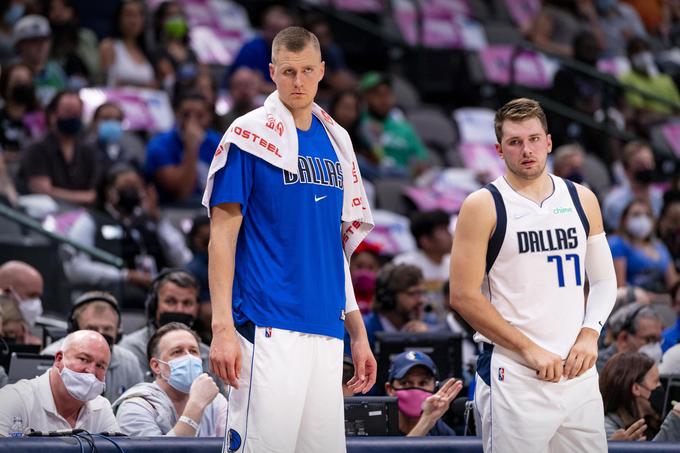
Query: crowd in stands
(128, 183)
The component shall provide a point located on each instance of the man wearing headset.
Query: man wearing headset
(173, 298)
(98, 311)
(399, 302)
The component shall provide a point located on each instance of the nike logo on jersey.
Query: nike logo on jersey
(519, 216)
(318, 199)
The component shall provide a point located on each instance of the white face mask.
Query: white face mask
(644, 62)
(639, 226)
(82, 386)
(30, 310)
(653, 351)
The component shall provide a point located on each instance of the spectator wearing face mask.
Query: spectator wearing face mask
(640, 258)
(644, 76)
(115, 145)
(363, 267)
(173, 298)
(68, 395)
(98, 311)
(640, 171)
(25, 284)
(633, 400)
(412, 378)
(21, 117)
(127, 224)
(182, 400)
(62, 165)
(634, 328)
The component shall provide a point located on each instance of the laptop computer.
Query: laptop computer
(6, 350)
(371, 416)
(28, 366)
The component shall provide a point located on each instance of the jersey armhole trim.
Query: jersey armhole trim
(496, 240)
(579, 207)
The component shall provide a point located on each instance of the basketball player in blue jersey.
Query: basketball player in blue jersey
(278, 276)
(523, 247)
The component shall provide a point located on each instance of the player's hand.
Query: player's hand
(583, 354)
(365, 367)
(435, 406)
(203, 391)
(225, 356)
(548, 365)
(636, 431)
(414, 326)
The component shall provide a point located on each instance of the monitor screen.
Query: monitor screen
(28, 366)
(6, 350)
(371, 416)
(444, 348)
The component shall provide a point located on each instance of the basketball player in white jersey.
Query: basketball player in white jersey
(522, 249)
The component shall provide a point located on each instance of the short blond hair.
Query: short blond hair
(294, 39)
(518, 110)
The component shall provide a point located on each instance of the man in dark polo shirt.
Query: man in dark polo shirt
(62, 165)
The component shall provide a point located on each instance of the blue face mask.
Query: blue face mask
(110, 131)
(14, 13)
(183, 371)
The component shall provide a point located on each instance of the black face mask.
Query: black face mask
(657, 397)
(181, 318)
(22, 93)
(69, 126)
(128, 199)
(644, 176)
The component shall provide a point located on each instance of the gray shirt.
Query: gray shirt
(146, 410)
(123, 372)
(136, 343)
(3, 377)
(669, 431)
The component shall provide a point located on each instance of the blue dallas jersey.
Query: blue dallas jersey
(289, 259)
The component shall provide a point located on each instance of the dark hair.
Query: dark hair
(424, 223)
(339, 95)
(617, 378)
(152, 345)
(294, 39)
(109, 179)
(393, 279)
(158, 17)
(674, 291)
(629, 206)
(115, 30)
(517, 110)
(106, 104)
(5, 77)
(196, 224)
(180, 277)
(52, 107)
(636, 44)
(189, 95)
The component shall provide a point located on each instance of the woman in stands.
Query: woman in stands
(124, 58)
(640, 258)
(633, 400)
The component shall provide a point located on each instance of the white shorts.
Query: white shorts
(520, 413)
(290, 394)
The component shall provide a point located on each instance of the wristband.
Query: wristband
(190, 422)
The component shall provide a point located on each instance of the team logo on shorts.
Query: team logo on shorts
(267, 332)
(501, 374)
(233, 441)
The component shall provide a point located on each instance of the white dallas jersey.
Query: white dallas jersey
(535, 269)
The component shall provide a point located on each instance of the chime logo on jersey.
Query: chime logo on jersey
(501, 374)
(314, 170)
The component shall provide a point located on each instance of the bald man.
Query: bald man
(68, 395)
(25, 284)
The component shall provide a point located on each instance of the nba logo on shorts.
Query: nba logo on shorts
(268, 332)
(501, 374)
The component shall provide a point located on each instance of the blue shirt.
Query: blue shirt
(289, 259)
(255, 54)
(641, 269)
(167, 148)
(671, 336)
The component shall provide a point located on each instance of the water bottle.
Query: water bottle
(17, 428)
